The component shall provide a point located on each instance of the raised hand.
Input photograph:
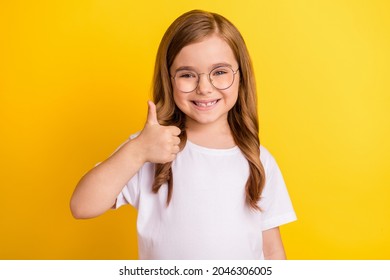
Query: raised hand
(159, 144)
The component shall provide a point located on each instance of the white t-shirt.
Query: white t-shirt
(207, 217)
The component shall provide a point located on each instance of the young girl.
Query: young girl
(203, 186)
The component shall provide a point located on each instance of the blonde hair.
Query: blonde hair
(189, 28)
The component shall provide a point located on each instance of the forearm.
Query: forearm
(276, 255)
(273, 248)
(97, 190)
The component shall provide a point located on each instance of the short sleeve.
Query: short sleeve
(129, 194)
(275, 202)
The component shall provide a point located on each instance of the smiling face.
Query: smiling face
(206, 105)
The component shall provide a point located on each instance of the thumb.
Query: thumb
(152, 113)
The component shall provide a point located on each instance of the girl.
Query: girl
(203, 186)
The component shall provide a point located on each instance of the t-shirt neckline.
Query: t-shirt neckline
(213, 151)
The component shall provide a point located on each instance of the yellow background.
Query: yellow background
(75, 77)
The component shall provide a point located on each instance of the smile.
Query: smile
(205, 104)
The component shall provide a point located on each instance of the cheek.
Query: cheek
(233, 93)
(179, 100)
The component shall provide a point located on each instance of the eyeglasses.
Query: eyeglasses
(221, 77)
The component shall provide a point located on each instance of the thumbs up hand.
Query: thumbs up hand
(159, 144)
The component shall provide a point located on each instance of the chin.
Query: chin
(204, 120)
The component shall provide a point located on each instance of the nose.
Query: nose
(204, 84)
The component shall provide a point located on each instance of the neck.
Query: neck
(215, 135)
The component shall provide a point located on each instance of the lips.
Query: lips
(206, 103)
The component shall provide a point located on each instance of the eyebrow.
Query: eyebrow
(211, 67)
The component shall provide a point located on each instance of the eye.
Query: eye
(220, 71)
(186, 75)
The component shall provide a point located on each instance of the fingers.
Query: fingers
(176, 149)
(175, 130)
(152, 113)
(175, 140)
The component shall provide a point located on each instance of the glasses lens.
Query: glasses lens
(222, 77)
(186, 81)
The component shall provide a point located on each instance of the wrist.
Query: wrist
(136, 151)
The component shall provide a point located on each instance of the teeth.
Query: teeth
(205, 104)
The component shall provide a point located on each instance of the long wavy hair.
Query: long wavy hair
(189, 28)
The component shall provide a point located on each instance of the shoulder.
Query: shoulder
(266, 158)
(271, 167)
(264, 153)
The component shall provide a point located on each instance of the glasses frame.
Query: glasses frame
(208, 77)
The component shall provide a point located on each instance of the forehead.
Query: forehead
(205, 53)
